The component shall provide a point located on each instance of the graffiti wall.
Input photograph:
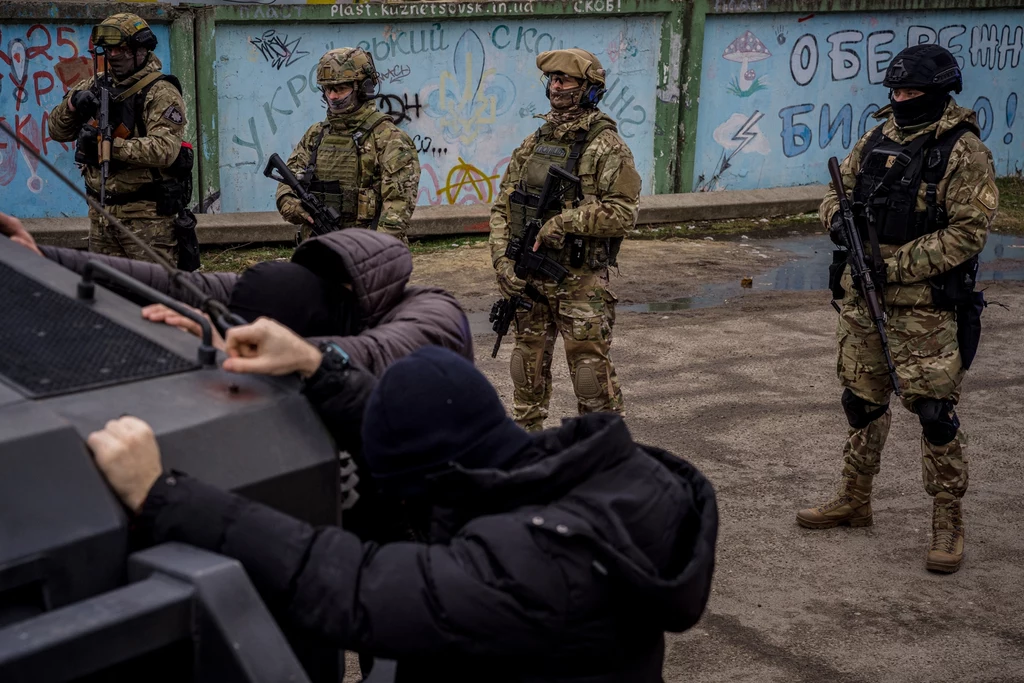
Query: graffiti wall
(466, 92)
(38, 64)
(782, 93)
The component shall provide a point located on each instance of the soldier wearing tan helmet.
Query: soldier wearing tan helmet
(149, 181)
(357, 161)
(584, 237)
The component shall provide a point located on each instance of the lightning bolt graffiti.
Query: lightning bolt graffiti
(743, 136)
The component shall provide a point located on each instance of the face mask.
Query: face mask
(924, 109)
(343, 105)
(565, 99)
(123, 64)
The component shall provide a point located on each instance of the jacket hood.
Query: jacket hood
(584, 121)
(376, 265)
(952, 116)
(590, 478)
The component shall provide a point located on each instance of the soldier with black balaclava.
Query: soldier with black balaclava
(924, 194)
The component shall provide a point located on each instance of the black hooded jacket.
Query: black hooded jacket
(568, 567)
(393, 319)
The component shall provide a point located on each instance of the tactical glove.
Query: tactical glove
(552, 235)
(508, 283)
(836, 233)
(87, 147)
(292, 211)
(85, 104)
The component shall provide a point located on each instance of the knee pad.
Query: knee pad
(586, 384)
(517, 369)
(860, 413)
(938, 420)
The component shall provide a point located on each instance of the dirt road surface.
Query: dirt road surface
(747, 391)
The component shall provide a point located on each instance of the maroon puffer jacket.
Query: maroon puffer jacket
(396, 319)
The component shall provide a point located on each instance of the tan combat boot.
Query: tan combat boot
(852, 505)
(947, 551)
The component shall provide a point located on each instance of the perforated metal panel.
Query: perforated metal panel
(52, 344)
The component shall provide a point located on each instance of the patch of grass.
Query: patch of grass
(753, 227)
(432, 245)
(1011, 205)
(238, 257)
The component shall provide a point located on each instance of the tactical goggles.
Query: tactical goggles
(107, 36)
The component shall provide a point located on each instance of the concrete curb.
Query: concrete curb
(266, 227)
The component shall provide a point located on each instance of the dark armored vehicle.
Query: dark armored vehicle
(74, 604)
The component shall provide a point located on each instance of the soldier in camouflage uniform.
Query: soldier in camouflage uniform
(584, 237)
(146, 185)
(931, 220)
(357, 161)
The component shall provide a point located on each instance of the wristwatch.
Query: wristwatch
(333, 365)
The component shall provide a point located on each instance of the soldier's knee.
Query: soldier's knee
(586, 383)
(938, 420)
(861, 413)
(517, 367)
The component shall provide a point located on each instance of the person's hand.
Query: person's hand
(508, 283)
(127, 454)
(836, 232)
(158, 313)
(12, 227)
(552, 235)
(84, 103)
(88, 145)
(267, 347)
(292, 210)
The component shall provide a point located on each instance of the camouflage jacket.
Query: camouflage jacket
(164, 117)
(967, 191)
(611, 186)
(388, 163)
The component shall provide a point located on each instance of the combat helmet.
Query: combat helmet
(348, 65)
(924, 67)
(123, 29)
(579, 64)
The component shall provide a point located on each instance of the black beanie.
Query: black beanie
(288, 293)
(432, 409)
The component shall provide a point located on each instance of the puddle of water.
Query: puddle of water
(809, 271)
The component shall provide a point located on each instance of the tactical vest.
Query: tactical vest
(171, 188)
(549, 151)
(889, 182)
(336, 177)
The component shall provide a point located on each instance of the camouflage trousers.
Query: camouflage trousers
(925, 351)
(156, 231)
(582, 311)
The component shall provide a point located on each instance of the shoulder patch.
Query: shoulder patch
(174, 115)
(988, 195)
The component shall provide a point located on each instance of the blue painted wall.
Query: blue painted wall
(782, 93)
(38, 64)
(465, 91)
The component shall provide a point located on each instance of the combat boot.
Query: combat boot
(947, 550)
(852, 505)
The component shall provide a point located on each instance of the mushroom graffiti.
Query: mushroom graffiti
(746, 49)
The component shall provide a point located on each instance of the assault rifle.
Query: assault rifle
(504, 311)
(520, 249)
(325, 218)
(863, 276)
(105, 137)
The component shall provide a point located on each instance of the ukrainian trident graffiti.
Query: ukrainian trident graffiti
(465, 91)
(806, 88)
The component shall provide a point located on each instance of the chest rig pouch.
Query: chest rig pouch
(579, 250)
(335, 167)
(889, 183)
